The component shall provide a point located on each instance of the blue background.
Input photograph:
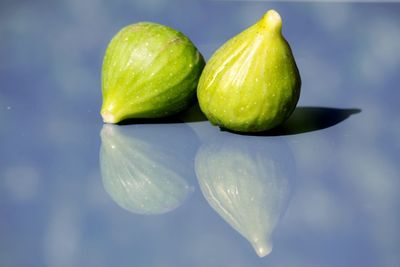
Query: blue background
(342, 164)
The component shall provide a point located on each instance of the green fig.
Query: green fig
(251, 83)
(149, 71)
(147, 168)
(247, 181)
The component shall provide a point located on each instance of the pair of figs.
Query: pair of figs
(250, 84)
(150, 169)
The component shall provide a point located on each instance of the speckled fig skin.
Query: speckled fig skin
(149, 71)
(251, 83)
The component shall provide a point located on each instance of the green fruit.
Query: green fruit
(149, 71)
(147, 168)
(252, 82)
(247, 182)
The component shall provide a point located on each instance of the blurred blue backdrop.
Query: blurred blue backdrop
(54, 211)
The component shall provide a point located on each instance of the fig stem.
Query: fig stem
(272, 21)
(262, 247)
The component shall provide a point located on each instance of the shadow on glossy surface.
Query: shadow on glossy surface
(146, 169)
(310, 119)
(246, 180)
(191, 114)
(303, 120)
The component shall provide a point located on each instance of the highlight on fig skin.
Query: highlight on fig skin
(251, 83)
(108, 117)
(149, 71)
(272, 20)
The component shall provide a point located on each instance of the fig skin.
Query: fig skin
(251, 83)
(149, 71)
(146, 169)
(247, 180)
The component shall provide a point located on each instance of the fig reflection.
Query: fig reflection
(146, 169)
(245, 180)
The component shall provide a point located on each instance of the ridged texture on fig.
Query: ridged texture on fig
(149, 71)
(245, 182)
(252, 82)
(141, 174)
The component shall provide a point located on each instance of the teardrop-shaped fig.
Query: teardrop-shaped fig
(246, 180)
(149, 71)
(251, 83)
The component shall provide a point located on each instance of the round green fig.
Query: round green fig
(148, 168)
(149, 71)
(251, 83)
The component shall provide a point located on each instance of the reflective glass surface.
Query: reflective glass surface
(320, 190)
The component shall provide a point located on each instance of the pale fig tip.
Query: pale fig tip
(107, 130)
(262, 248)
(108, 117)
(272, 20)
